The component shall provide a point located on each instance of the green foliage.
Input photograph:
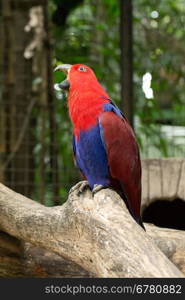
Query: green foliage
(159, 48)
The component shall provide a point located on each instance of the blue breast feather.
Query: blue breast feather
(91, 157)
(90, 152)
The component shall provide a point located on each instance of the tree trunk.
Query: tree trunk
(126, 58)
(16, 97)
(27, 98)
(98, 36)
(97, 233)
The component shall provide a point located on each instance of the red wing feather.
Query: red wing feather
(123, 158)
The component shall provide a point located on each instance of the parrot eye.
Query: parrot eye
(82, 69)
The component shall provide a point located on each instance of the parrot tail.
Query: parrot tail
(119, 188)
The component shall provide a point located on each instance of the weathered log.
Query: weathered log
(96, 233)
(9, 246)
(163, 179)
(18, 259)
(171, 242)
(168, 240)
(22, 259)
(40, 262)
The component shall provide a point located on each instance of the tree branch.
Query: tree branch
(96, 233)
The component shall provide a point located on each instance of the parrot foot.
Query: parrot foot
(80, 186)
(97, 188)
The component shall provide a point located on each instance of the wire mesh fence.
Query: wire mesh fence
(36, 151)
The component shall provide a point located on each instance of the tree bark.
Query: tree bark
(171, 242)
(168, 240)
(97, 233)
(126, 59)
(19, 259)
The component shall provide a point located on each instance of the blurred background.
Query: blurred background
(136, 49)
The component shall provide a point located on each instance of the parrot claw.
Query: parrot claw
(80, 187)
(97, 188)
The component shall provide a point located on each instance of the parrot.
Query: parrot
(104, 144)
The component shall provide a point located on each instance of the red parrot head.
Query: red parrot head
(85, 94)
(79, 77)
